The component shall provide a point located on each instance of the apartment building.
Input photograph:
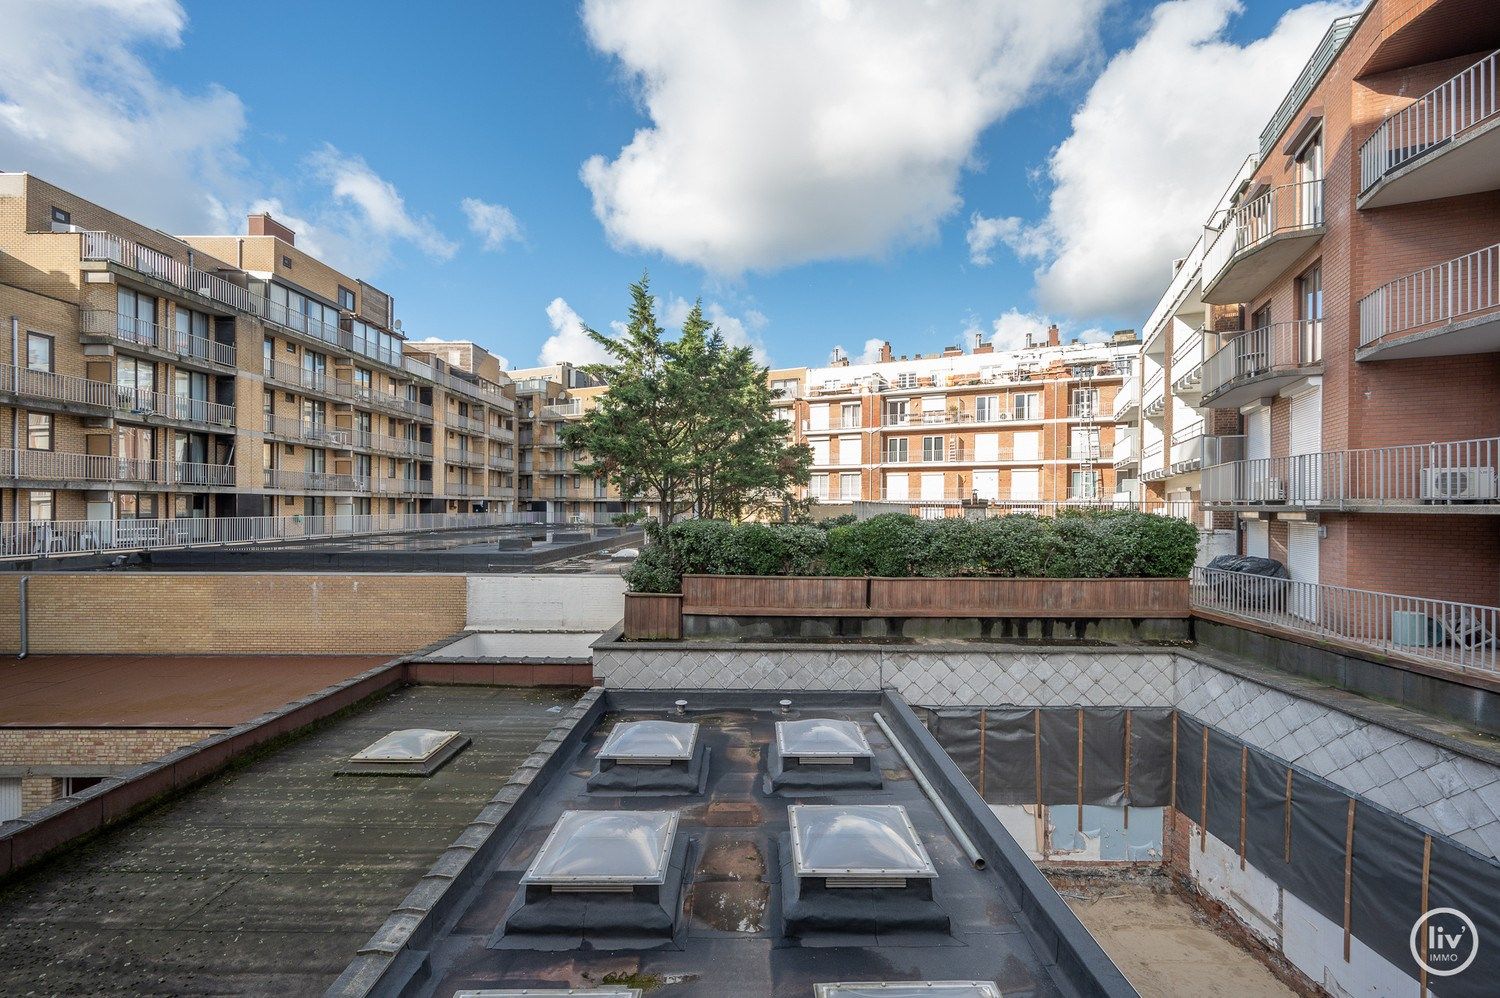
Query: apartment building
(1335, 331)
(156, 388)
(1029, 426)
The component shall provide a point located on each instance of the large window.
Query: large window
(1085, 402)
(39, 431)
(40, 355)
(42, 505)
(895, 412)
(986, 408)
(896, 450)
(138, 506)
(1086, 485)
(932, 448)
(136, 318)
(192, 395)
(849, 486)
(192, 332)
(136, 380)
(1027, 405)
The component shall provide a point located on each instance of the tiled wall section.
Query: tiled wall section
(1443, 791)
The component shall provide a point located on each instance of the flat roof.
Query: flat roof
(730, 939)
(267, 878)
(186, 691)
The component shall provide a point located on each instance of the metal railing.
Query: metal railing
(1289, 208)
(1446, 292)
(1154, 393)
(30, 539)
(106, 246)
(463, 489)
(463, 455)
(1188, 354)
(313, 481)
(467, 423)
(852, 423)
(1127, 398)
(1443, 632)
(1151, 451)
(1086, 410)
(1280, 348)
(366, 440)
(1407, 476)
(66, 388)
(563, 410)
(312, 380)
(1124, 450)
(1441, 115)
(58, 466)
(132, 331)
(294, 428)
(953, 500)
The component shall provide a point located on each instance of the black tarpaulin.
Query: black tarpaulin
(1470, 883)
(1010, 756)
(1104, 756)
(1189, 766)
(1316, 873)
(957, 731)
(1060, 756)
(1265, 815)
(1150, 757)
(1386, 891)
(1223, 787)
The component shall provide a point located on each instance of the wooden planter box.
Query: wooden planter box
(774, 595)
(653, 616)
(794, 596)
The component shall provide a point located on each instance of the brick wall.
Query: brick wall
(50, 749)
(253, 613)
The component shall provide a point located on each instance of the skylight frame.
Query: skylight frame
(800, 814)
(579, 819)
(368, 753)
(622, 731)
(791, 752)
(937, 989)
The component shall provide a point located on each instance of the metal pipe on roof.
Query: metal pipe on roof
(964, 841)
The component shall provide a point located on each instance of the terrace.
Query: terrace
(1260, 239)
(1258, 363)
(1447, 309)
(64, 393)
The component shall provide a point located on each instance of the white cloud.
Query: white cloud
(569, 341)
(986, 233)
(1010, 331)
(784, 131)
(492, 223)
(869, 355)
(80, 107)
(376, 200)
(1153, 146)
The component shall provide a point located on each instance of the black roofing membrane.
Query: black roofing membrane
(730, 938)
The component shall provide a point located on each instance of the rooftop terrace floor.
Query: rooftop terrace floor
(188, 691)
(266, 879)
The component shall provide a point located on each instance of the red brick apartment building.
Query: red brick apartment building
(1349, 292)
(1029, 426)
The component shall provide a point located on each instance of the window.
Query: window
(896, 450)
(895, 412)
(849, 486)
(849, 414)
(317, 460)
(61, 220)
(38, 431)
(135, 317)
(1309, 172)
(1085, 402)
(136, 380)
(1027, 405)
(137, 506)
(192, 332)
(362, 384)
(41, 505)
(346, 299)
(1086, 485)
(1261, 317)
(314, 413)
(986, 409)
(818, 486)
(78, 784)
(932, 448)
(1084, 443)
(192, 396)
(906, 381)
(268, 406)
(314, 368)
(39, 353)
(1310, 295)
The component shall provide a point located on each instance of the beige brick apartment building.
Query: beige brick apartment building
(1028, 427)
(165, 385)
(1334, 334)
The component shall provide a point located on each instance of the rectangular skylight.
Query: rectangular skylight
(604, 992)
(605, 849)
(856, 841)
(907, 989)
(407, 745)
(650, 742)
(821, 738)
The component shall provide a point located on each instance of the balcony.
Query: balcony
(1435, 632)
(1187, 366)
(1460, 476)
(1127, 402)
(1087, 411)
(54, 469)
(563, 410)
(464, 424)
(294, 429)
(1151, 457)
(464, 456)
(1260, 362)
(502, 462)
(1444, 144)
(1452, 308)
(166, 341)
(851, 423)
(310, 380)
(69, 394)
(463, 489)
(284, 480)
(1260, 240)
(109, 248)
(1187, 448)
(1124, 455)
(1154, 396)
(400, 446)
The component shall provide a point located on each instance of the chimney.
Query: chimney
(1054, 337)
(983, 347)
(262, 224)
(953, 351)
(885, 352)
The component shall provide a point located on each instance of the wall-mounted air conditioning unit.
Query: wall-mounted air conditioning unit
(1459, 485)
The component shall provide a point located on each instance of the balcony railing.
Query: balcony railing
(313, 481)
(1285, 210)
(30, 539)
(1414, 477)
(462, 455)
(1441, 632)
(564, 410)
(1127, 400)
(947, 456)
(107, 246)
(1124, 450)
(365, 440)
(1281, 348)
(463, 489)
(309, 432)
(131, 331)
(1462, 288)
(502, 461)
(1151, 452)
(1443, 114)
(63, 388)
(311, 380)
(1086, 410)
(851, 423)
(57, 466)
(466, 424)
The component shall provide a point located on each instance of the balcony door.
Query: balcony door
(1304, 441)
(1309, 183)
(1302, 563)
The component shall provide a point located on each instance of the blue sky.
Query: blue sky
(370, 124)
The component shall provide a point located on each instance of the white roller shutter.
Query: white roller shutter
(896, 487)
(1258, 538)
(1026, 484)
(1258, 434)
(10, 798)
(817, 417)
(932, 485)
(1027, 446)
(1302, 563)
(848, 450)
(987, 484)
(1305, 437)
(987, 447)
(819, 452)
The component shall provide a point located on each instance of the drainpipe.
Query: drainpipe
(15, 413)
(25, 637)
(964, 841)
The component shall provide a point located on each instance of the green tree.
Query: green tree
(687, 423)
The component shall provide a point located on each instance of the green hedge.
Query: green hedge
(1091, 544)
